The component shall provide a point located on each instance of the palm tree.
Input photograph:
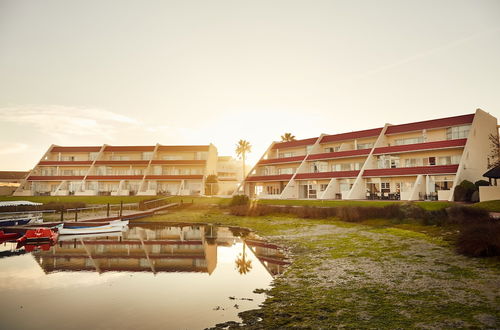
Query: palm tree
(241, 149)
(287, 137)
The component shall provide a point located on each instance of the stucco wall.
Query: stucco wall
(489, 193)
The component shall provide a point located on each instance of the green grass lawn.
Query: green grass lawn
(83, 199)
(375, 274)
(492, 206)
(333, 203)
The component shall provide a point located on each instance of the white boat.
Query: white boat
(89, 236)
(76, 228)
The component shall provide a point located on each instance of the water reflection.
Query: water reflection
(158, 248)
(153, 276)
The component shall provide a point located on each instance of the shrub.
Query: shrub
(463, 192)
(239, 200)
(466, 215)
(480, 239)
(480, 183)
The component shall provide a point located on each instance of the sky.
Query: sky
(199, 72)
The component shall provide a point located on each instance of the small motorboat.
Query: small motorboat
(19, 218)
(5, 237)
(36, 235)
(76, 228)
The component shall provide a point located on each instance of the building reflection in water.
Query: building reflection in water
(157, 248)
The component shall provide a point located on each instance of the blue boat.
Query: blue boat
(19, 218)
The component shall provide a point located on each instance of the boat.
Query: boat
(5, 237)
(19, 218)
(38, 235)
(66, 238)
(80, 228)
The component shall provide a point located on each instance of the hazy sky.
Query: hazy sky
(198, 72)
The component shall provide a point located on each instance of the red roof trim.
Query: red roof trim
(438, 169)
(280, 177)
(122, 162)
(184, 148)
(339, 154)
(428, 124)
(114, 177)
(179, 162)
(297, 143)
(421, 146)
(295, 159)
(54, 178)
(174, 177)
(351, 135)
(129, 148)
(327, 175)
(64, 163)
(75, 149)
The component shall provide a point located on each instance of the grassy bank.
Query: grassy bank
(373, 274)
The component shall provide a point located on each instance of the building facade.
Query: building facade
(121, 171)
(421, 160)
(229, 175)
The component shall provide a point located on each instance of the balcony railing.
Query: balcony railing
(327, 175)
(294, 159)
(279, 177)
(401, 171)
(445, 144)
(339, 154)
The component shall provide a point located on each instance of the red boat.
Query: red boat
(41, 234)
(4, 237)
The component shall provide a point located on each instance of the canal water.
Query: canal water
(151, 276)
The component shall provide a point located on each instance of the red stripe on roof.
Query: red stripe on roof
(174, 177)
(122, 162)
(428, 124)
(179, 162)
(184, 148)
(75, 149)
(339, 154)
(297, 143)
(129, 148)
(114, 177)
(421, 146)
(65, 163)
(280, 177)
(54, 177)
(351, 135)
(438, 169)
(327, 175)
(294, 159)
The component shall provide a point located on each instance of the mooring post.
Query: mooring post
(121, 208)
(76, 215)
(62, 214)
(107, 212)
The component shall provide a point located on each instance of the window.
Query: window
(432, 161)
(365, 145)
(147, 155)
(414, 140)
(93, 155)
(308, 149)
(172, 157)
(323, 186)
(413, 162)
(285, 171)
(457, 132)
(286, 154)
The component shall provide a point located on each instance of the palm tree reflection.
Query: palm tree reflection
(242, 264)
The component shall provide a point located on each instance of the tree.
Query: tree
(211, 185)
(241, 150)
(287, 137)
(494, 156)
